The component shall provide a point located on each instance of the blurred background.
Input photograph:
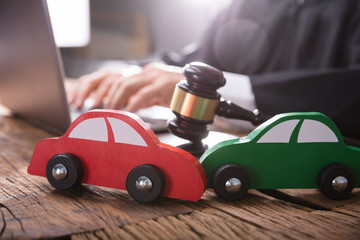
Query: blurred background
(93, 34)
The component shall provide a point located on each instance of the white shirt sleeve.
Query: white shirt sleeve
(237, 89)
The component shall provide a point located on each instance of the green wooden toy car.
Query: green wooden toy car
(292, 150)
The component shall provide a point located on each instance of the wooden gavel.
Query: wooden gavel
(195, 103)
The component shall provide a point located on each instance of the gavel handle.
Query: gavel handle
(230, 110)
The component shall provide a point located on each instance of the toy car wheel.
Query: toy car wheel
(336, 181)
(145, 183)
(64, 171)
(231, 182)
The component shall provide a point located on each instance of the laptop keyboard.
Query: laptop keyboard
(156, 116)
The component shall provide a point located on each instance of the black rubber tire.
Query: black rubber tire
(156, 177)
(330, 172)
(224, 173)
(74, 168)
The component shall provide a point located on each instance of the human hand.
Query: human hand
(96, 84)
(153, 86)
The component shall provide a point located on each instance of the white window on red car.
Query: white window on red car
(91, 129)
(124, 133)
(315, 131)
(280, 133)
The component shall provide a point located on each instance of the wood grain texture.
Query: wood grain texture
(30, 208)
(312, 198)
(255, 217)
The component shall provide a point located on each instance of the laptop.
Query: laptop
(31, 72)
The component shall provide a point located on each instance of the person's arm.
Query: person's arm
(334, 92)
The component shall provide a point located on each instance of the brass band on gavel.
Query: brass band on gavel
(192, 106)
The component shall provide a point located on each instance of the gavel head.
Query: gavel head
(195, 101)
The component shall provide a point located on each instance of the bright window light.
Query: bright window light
(70, 21)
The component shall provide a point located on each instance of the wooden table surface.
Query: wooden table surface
(31, 208)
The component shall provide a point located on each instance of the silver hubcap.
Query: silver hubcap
(59, 171)
(339, 183)
(143, 184)
(233, 185)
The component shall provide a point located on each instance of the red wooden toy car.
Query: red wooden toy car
(117, 149)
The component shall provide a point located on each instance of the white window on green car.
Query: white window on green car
(91, 129)
(281, 133)
(315, 131)
(124, 133)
